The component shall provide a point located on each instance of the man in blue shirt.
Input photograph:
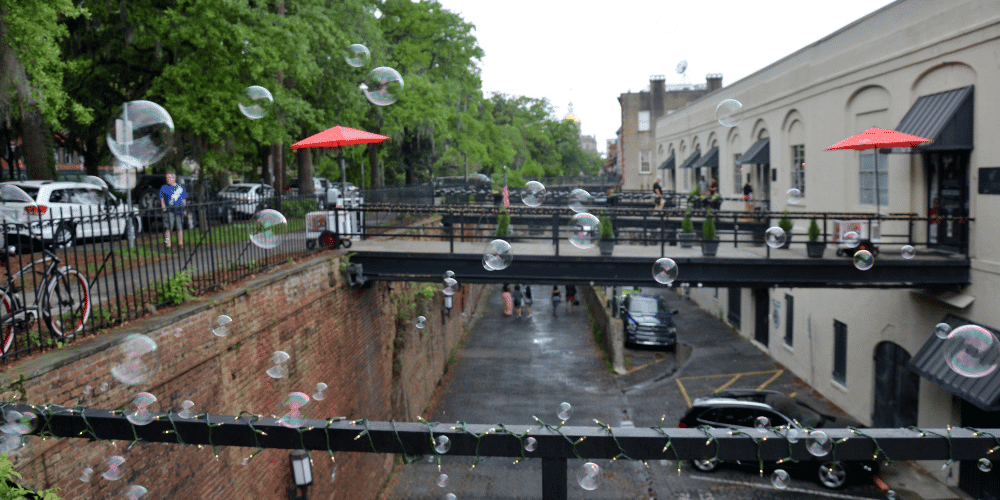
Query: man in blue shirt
(172, 200)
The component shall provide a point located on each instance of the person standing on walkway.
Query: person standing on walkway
(508, 301)
(570, 297)
(703, 186)
(556, 299)
(518, 297)
(658, 194)
(173, 198)
(527, 299)
(748, 195)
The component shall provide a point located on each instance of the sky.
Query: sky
(572, 51)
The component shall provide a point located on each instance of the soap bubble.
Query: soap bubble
(186, 409)
(863, 260)
(141, 415)
(793, 435)
(589, 476)
(442, 480)
(10, 442)
(114, 471)
(819, 443)
(442, 444)
(140, 361)
(585, 230)
(256, 102)
(565, 410)
(140, 133)
(104, 386)
(580, 200)
(794, 195)
(498, 255)
(762, 422)
(294, 402)
(421, 322)
(135, 492)
(450, 496)
(890, 495)
(267, 228)
(530, 444)
(780, 479)
(219, 327)
(533, 194)
(318, 395)
(450, 286)
(972, 351)
(382, 86)
(449, 274)
(729, 112)
(664, 270)
(908, 252)
(357, 55)
(851, 238)
(985, 465)
(775, 237)
(16, 422)
(942, 330)
(278, 370)
(86, 475)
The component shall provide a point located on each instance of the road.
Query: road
(511, 369)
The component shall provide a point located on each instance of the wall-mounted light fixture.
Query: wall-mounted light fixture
(301, 473)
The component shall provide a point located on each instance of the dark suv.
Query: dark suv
(648, 321)
(740, 409)
(147, 195)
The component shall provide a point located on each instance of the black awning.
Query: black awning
(945, 118)
(759, 153)
(669, 163)
(691, 160)
(930, 363)
(710, 159)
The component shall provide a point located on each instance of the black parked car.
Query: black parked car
(740, 409)
(648, 321)
(214, 207)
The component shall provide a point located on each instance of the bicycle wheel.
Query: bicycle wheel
(65, 307)
(6, 320)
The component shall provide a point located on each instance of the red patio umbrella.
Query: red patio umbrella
(878, 138)
(338, 136)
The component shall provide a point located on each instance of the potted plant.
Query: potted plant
(503, 224)
(709, 239)
(687, 231)
(815, 248)
(696, 197)
(607, 241)
(715, 201)
(786, 224)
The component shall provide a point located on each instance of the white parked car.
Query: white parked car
(248, 198)
(60, 213)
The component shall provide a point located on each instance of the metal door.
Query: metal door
(761, 305)
(896, 388)
(948, 197)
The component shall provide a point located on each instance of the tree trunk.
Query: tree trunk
(38, 159)
(304, 157)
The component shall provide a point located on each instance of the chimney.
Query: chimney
(658, 89)
(713, 81)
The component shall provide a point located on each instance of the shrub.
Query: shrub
(708, 228)
(687, 226)
(503, 224)
(607, 228)
(786, 223)
(814, 231)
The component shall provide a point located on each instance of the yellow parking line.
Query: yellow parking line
(684, 392)
(729, 374)
(772, 379)
(731, 382)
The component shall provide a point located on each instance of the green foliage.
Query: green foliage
(708, 228)
(503, 224)
(687, 225)
(814, 231)
(607, 228)
(785, 223)
(175, 289)
(13, 492)
(696, 191)
(297, 209)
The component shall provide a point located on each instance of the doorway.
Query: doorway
(979, 484)
(948, 196)
(761, 330)
(896, 388)
(734, 307)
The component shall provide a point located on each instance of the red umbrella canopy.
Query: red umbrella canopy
(338, 136)
(879, 138)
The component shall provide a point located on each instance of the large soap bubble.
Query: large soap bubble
(382, 86)
(256, 102)
(140, 133)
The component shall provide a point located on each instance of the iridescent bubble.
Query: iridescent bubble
(141, 358)
(664, 270)
(729, 112)
(140, 133)
(985, 465)
(819, 443)
(585, 230)
(863, 260)
(450, 286)
(530, 444)
(794, 196)
(589, 476)
(890, 495)
(421, 322)
(86, 475)
(267, 228)
(256, 102)
(114, 471)
(318, 395)
(908, 252)
(775, 237)
(972, 351)
(278, 370)
(449, 274)
(762, 423)
(186, 409)
(135, 492)
(780, 479)
(565, 410)
(442, 480)
(580, 200)
(442, 444)
(10, 442)
(450, 496)
(851, 239)
(142, 415)
(533, 194)
(16, 422)
(498, 255)
(942, 330)
(333, 472)
(219, 325)
(104, 386)
(382, 86)
(357, 55)
(294, 402)
(793, 435)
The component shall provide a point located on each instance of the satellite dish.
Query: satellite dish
(682, 67)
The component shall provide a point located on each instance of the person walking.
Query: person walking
(556, 299)
(173, 198)
(508, 300)
(518, 298)
(570, 297)
(658, 194)
(527, 299)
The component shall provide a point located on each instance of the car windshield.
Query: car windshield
(646, 306)
(18, 194)
(792, 409)
(237, 189)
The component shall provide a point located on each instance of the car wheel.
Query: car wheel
(310, 244)
(832, 475)
(705, 465)
(147, 199)
(65, 235)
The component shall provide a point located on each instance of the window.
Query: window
(644, 165)
(789, 315)
(737, 172)
(839, 352)
(867, 178)
(799, 168)
(643, 121)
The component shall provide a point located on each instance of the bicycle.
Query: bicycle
(62, 301)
